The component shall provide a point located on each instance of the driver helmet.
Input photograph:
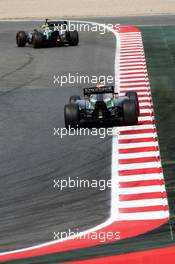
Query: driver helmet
(101, 83)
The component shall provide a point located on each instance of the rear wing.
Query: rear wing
(101, 90)
(56, 22)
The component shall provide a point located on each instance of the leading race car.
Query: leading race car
(101, 104)
(52, 33)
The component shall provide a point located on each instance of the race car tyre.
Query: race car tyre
(37, 40)
(133, 95)
(71, 116)
(21, 39)
(130, 116)
(72, 38)
(74, 98)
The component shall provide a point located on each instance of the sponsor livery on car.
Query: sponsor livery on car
(100, 104)
(52, 33)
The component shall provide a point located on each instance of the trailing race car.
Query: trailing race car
(52, 33)
(102, 104)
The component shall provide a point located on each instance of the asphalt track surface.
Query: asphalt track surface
(31, 157)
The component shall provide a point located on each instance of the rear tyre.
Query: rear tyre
(71, 116)
(21, 39)
(37, 40)
(130, 116)
(74, 98)
(133, 95)
(73, 38)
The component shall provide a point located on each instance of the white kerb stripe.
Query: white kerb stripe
(145, 104)
(145, 189)
(143, 68)
(134, 71)
(132, 128)
(134, 89)
(146, 111)
(134, 83)
(133, 62)
(144, 135)
(143, 203)
(129, 33)
(139, 155)
(146, 118)
(144, 177)
(140, 56)
(144, 215)
(137, 145)
(133, 53)
(135, 166)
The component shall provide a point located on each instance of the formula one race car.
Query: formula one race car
(100, 105)
(52, 33)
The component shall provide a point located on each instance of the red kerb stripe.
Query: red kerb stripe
(139, 160)
(141, 183)
(139, 171)
(139, 149)
(141, 196)
(144, 209)
(137, 140)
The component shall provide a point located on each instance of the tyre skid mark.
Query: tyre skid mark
(28, 62)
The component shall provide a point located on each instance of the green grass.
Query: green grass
(159, 44)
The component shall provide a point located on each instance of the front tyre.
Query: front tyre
(73, 38)
(71, 116)
(37, 40)
(21, 38)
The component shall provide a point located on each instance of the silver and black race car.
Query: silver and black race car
(52, 33)
(100, 105)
